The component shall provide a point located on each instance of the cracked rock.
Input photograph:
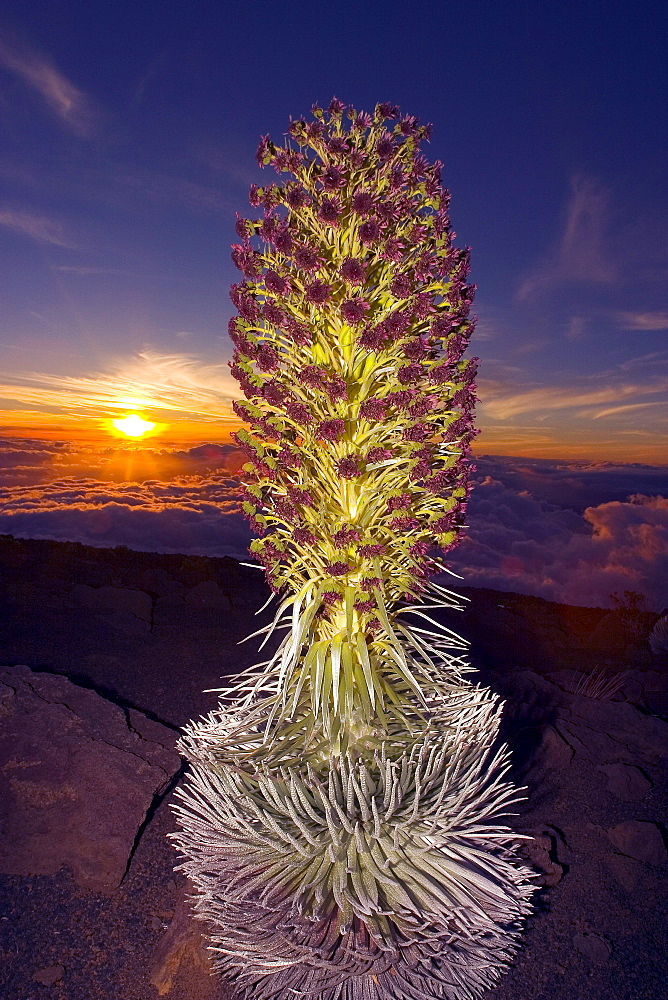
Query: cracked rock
(77, 777)
(594, 946)
(639, 840)
(626, 782)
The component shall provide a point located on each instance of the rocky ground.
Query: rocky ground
(108, 653)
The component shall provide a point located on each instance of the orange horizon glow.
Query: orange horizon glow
(493, 440)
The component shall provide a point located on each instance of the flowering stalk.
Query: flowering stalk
(341, 822)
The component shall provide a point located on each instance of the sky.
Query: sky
(128, 137)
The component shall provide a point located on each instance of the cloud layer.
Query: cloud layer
(569, 532)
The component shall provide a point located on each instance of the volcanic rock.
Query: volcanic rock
(77, 776)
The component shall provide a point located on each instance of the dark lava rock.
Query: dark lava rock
(77, 776)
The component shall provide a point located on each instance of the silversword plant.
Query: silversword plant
(343, 820)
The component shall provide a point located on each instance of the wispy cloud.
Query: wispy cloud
(580, 253)
(40, 228)
(503, 404)
(174, 386)
(69, 104)
(650, 320)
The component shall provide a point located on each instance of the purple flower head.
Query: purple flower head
(337, 388)
(331, 430)
(418, 549)
(393, 250)
(283, 240)
(289, 458)
(285, 509)
(329, 211)
(402, 399)
(420, 165)
(441, 325)
(422, 305)
(397, 177)
(298, 332)
(240, 409)
(265, 151)
(402, 285)
(419, 471)
(276, 282)
(336, 107)
(378, 454)
(299, 413)
(315, 130)
(338, 568)
(369, 582)
(408, 125)
(353, 271)
(399, 503)
(404, 523)
(243, 228)
(307, 258)
(242, 378)
(267, 358)
(441, 374)
(348, 467)
(312, 375)
(317, 292)
(368, 551)
(422, 405)
(296, 127)
(286, 159)
(297, 197)
(386, 110)
(345, 535)
(363, 203)
(338, 145)
(304, 537)
(385, 147)
(373, 409)
(417, 233)
(353, 310)
(418, 432)
(330, 597)
(373, 337)
(414, 349)
(274, 392)
(445, 523)
(300, 496)
(426, 267)
(396, 323)
(271, 196)
(364, 606)
(410, 374)
(254, 196)
(267, 230)
(245, 302)
(332, 178)
(369, 232)
(246, 260)
(362, 120)
(444, 479)
(273, 314)
(356, 159)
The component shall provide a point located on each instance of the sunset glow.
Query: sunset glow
(133, 425)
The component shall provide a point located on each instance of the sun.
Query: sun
(133, 425)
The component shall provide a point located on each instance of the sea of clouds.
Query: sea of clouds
(572, 532)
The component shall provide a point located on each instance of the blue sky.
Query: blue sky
(129, 133)
(128, 144)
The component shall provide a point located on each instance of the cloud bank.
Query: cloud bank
(571, 532)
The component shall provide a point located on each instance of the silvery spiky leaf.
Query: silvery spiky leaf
(402, 844)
